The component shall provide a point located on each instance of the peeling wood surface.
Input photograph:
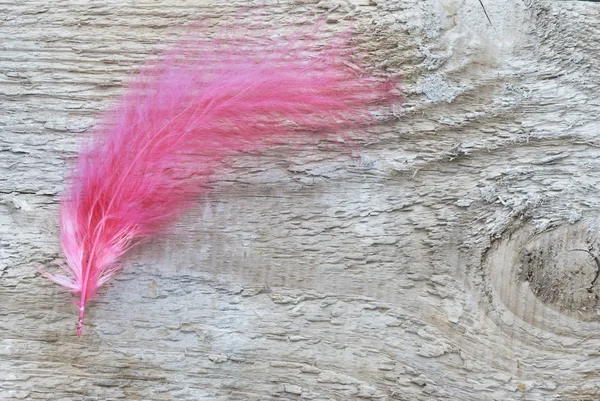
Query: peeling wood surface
(456, 260)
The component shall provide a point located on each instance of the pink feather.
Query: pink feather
(149, 159)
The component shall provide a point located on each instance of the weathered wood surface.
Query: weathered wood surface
(455, 261)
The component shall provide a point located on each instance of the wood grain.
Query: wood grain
(456, 259)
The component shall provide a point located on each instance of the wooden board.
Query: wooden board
(456, 259)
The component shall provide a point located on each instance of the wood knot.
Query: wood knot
(562, 266)
(544, 277)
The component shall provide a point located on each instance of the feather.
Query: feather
(200, 102)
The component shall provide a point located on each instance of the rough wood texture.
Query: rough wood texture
(456, 260)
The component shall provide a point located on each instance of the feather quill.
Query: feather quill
(205, 100)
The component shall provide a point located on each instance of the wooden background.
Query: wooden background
(455, 260)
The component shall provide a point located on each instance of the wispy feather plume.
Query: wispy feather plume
(205, 100)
